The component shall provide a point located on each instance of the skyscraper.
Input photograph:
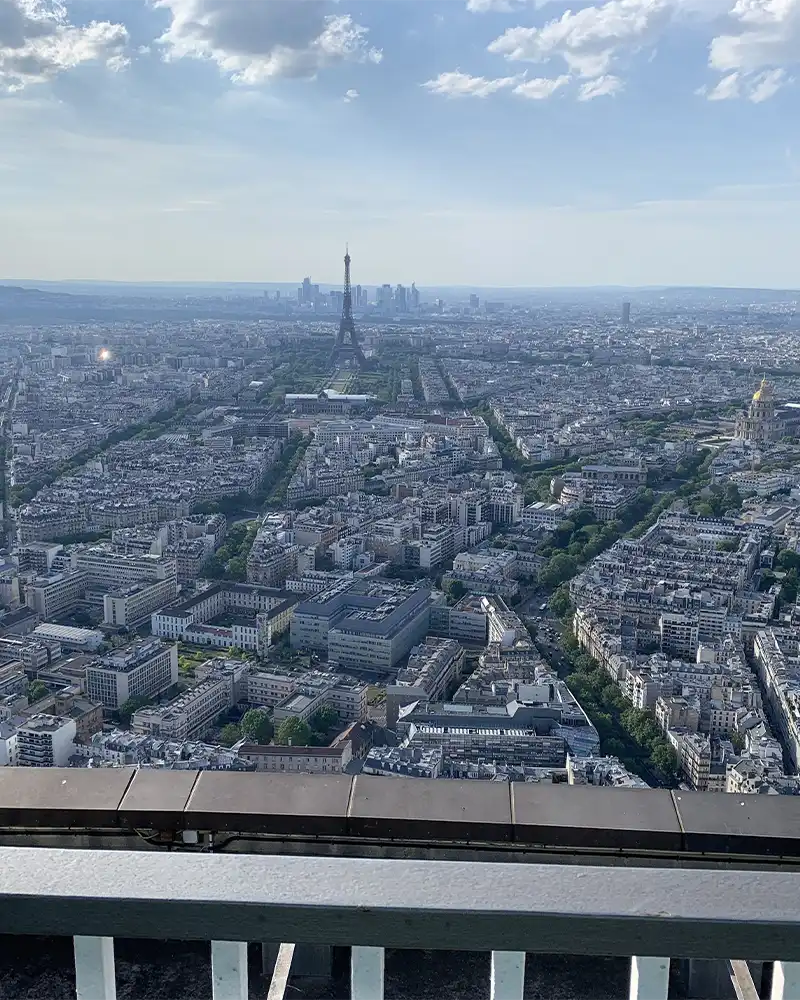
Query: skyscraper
(626, 313)
(414, 296)
(400, 299)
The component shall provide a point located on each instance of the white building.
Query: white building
(56, 594)
(46, 741)
(142, 669)
(133, 605)
(191, 713)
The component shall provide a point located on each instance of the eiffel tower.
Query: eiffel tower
(343, 351)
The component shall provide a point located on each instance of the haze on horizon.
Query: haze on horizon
(490, 143)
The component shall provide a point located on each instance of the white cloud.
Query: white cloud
(602, 86)
(350, 96)
(767, 85)
(38, 41)
(727, 89)
(590, 39)
(770, 37)
(483, 6)
(458, 84)
(254, 40)
(541, 88)
(768, 41)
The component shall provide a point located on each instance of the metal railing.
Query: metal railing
(507, 909)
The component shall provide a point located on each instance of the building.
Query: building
(544, 515)
(190, 714)
(46, 741)
(143, 669)
(615, 475)
(133, 605)
(269, 561)
(303, 694)
(108, 569)
(56, 594)
(675, 712)
(759, 424)
(366, 625)
(465, 621)
(404, 762)
(312, 760)
(227, 614)
(432, 668)
(603, 772)
(82, 640)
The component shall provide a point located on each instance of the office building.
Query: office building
(56, 594)
(143, 669)
(133, 605)
(190, 714)
(366, 625)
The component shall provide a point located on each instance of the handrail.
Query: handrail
(526, 816)
(402, 904)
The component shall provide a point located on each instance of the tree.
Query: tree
(558, 569)
(214, 569)
(584, 516)
(36, 690)
(324, 718)
(132, 705)
(456, 590)
(229, 735)
(293, 732)
(560, 603)
(257, 725)
(663, 757)
(237, 569)
(789, 587)
(788, 559)
(733, 498)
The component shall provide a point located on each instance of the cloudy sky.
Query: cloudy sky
(493, 142)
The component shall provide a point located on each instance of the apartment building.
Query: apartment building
(312, 760)
(145, 668)
(46, 741)
(270, 562)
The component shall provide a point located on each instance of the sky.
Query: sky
(521, 143)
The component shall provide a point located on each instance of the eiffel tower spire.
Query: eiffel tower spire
(347, 328)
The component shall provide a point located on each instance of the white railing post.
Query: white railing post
(649, 978)
(786, 981)
(508, 975)
(366, 974)
(229, 970)
(94, 968)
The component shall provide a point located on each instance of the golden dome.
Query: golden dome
(764, 391)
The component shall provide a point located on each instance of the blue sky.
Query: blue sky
(492, 142)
